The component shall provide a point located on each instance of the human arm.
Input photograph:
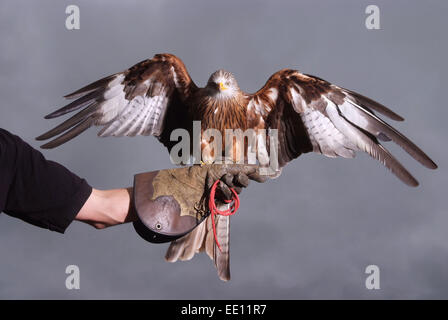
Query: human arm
(46, 194)
(106, 208)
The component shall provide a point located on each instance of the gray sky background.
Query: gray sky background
(309, 234)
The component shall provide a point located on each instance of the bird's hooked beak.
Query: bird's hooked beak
(222, 87)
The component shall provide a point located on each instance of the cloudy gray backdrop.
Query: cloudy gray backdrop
(308, 234)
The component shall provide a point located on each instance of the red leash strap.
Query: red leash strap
(214, 210)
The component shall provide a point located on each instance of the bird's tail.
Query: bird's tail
(202, 239)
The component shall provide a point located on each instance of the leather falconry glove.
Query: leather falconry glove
(171, 203)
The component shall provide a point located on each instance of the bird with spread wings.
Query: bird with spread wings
(157, 96)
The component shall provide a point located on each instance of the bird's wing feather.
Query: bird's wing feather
(312, 114)
(202, 239)
(146, 99)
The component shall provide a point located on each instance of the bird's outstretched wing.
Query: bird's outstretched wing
(146, 99)
(312, 114)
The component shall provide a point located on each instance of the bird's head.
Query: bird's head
(222, 84)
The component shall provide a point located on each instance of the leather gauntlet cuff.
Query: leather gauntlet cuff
(160, 216)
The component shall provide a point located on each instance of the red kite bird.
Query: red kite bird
(157, 95)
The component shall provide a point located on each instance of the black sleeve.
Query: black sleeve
(35, 190)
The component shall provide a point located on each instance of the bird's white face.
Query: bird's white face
(222, 85)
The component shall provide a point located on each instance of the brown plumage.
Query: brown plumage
(157, 95)
(201, 239)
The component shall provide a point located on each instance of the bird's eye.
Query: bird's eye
(227, 83)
